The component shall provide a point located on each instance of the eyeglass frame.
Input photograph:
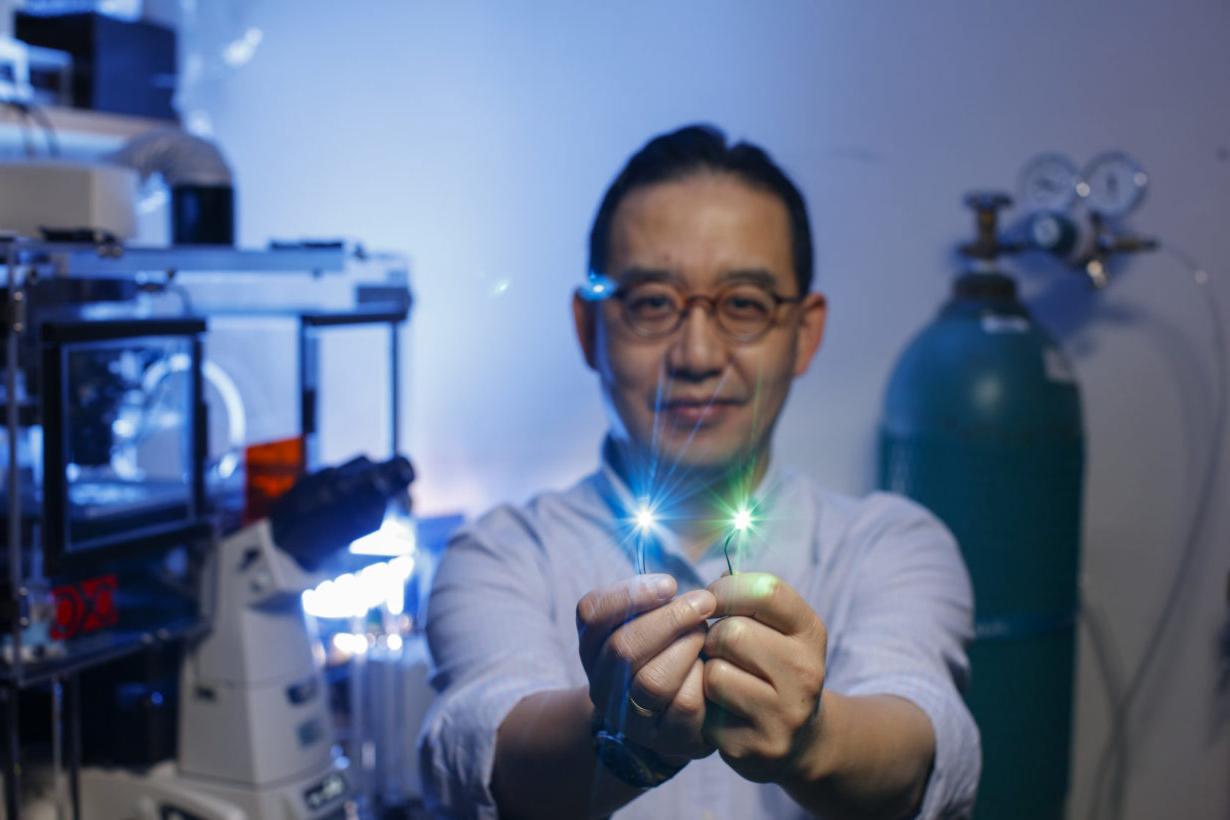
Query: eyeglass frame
(712, 310)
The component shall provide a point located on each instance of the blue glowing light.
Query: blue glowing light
(644, 521)
(597, 288)
(645, 517)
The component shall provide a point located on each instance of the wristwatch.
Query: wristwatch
(631, 762)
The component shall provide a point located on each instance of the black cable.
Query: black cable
(23, 123)
(32, 113)
(37, 114)
(1108, 664)
(1123, 708)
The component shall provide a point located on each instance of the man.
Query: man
(823, 671)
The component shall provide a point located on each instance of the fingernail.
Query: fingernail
(663, 586)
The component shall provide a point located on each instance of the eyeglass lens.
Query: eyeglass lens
(743, 311)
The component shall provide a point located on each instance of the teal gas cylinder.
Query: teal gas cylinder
(982, 425)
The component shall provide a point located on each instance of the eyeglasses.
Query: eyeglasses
(742, 311)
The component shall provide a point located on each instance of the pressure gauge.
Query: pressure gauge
(1049, 183)
(1116, 184)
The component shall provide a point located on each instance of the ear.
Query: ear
(585, 318)
(813, 311)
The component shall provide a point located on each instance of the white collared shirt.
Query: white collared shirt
(883, 574)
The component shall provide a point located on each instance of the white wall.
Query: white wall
(478, 137)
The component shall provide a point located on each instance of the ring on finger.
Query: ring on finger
(639, 710)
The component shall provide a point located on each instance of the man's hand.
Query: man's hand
(641, 652)
(765, 674)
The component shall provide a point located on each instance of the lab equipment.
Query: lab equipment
(51, 79)
(119, 485)
(371, 622)
(1087, 234)
(14, 67)
(982, 425)
(398, 693)
(1049, 182)
(121, 66)
(104, 490)
(31, 75)
(1077, 217)
(1112, 184)
(255, 738)
(202, 191)
(103, 495)
(1116, 184)
(67, 196)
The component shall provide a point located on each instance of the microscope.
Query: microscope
(255, 738)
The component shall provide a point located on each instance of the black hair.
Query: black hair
(698, 148)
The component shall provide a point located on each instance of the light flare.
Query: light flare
(742, 520)
(645, 519)
(740, 523)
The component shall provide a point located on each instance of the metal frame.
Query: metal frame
(310, 325)
(15, 324)
(113, 260)
(55, 336)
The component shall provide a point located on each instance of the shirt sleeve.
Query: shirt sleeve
(491, 632)
(911, 614)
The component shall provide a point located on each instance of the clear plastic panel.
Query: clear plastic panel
(128, 437)
(353, 413)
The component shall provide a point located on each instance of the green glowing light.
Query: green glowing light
(742, 520)
(740, 523)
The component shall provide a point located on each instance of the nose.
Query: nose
(698, 351)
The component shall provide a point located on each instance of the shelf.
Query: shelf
(87, 261)
(84, 260)
(106, 648)
(80, 133)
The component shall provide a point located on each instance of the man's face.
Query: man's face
(697, 397)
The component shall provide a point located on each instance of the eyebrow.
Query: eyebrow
(639, 276)
(755, 276)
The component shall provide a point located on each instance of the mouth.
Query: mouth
(697, 411)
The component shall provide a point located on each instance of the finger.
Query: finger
(680, 731)
(644, 729)
(656, 684)
(632, 645)
(602, 610)
(764, 597)
(738, 692)
(752, 646)
(792, 666)
(726, 730)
